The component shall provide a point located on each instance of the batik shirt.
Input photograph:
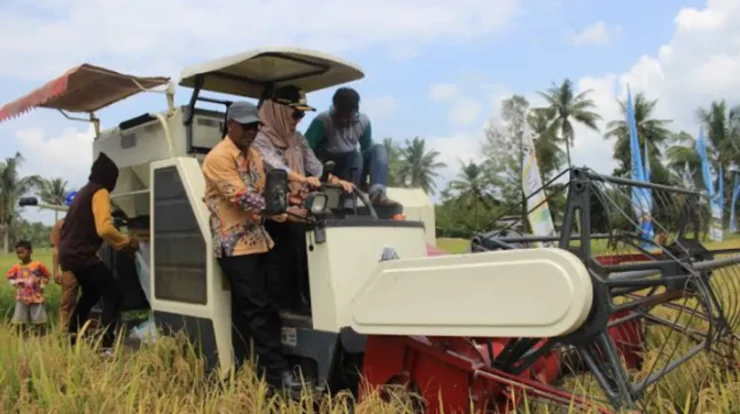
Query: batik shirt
(235, 183)
(29, 280)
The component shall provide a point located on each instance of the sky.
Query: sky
(435, 69)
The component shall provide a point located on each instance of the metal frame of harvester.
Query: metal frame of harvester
(634, 288)
(472, 332)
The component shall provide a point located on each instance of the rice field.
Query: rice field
(46, 375)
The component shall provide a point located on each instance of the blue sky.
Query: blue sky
(434, 69)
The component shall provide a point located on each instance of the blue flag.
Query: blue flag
(718, 204)
(735, 192)
(716, 198)
(648, 192)
(706, 175)
(641, 197)
(720, 196)
(69, 198)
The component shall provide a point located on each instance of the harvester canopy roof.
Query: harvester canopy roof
(250, 73)
(85, 88)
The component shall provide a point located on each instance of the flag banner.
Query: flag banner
(641, 197)
(735, 192)
(539, 217)
(715, 198)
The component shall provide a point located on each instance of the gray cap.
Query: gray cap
(243, 112)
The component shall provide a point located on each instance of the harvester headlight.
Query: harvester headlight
(28, 201)
(276, 192)
(315, 203)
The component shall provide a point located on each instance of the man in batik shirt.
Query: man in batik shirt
(235, 182)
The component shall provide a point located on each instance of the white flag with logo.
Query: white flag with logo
(540, 219)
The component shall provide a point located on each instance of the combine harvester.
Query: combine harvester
(468, 333)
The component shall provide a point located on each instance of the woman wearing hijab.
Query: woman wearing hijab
(87, 224)
(281, 146)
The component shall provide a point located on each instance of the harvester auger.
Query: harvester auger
(657, 302)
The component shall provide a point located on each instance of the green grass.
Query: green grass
(454, 246)
(46, 375)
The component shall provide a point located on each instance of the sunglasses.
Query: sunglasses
(254, 126)
(297, 114)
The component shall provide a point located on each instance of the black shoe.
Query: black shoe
(384, 201)
(380, 199)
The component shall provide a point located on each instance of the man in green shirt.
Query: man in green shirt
(337, 133)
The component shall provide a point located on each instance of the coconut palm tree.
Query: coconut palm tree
(565, 106)
(473, 189)
(421, 165)
(53, 191)
(648, 128)
(394, 163)
(12, 187)
(722, 129)
(549, 155)
(682, 157)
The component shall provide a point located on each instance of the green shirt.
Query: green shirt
(324, 134)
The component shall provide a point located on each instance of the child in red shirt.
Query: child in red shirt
(29, 277)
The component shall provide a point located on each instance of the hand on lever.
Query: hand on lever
(280, 218)
(346, 185)
(297, 214)
(313, 182)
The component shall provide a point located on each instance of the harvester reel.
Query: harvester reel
(658, 302)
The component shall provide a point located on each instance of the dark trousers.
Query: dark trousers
(97, 281)
(359, 168)
(288, 258)
(255, 315)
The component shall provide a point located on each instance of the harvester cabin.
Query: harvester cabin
(185, 130)
(190, 130)
(193, 128)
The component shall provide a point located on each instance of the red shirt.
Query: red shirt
(29, 280)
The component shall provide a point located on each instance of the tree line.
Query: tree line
(13, 186)
(482, 192)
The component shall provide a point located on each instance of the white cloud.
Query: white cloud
(707, 20)
(699, 64)
(153, 38)
(596, 34)
(380, 107)
(459, 147)
(143, 35)
(465, 111)
(68, 155)
(442, 91)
